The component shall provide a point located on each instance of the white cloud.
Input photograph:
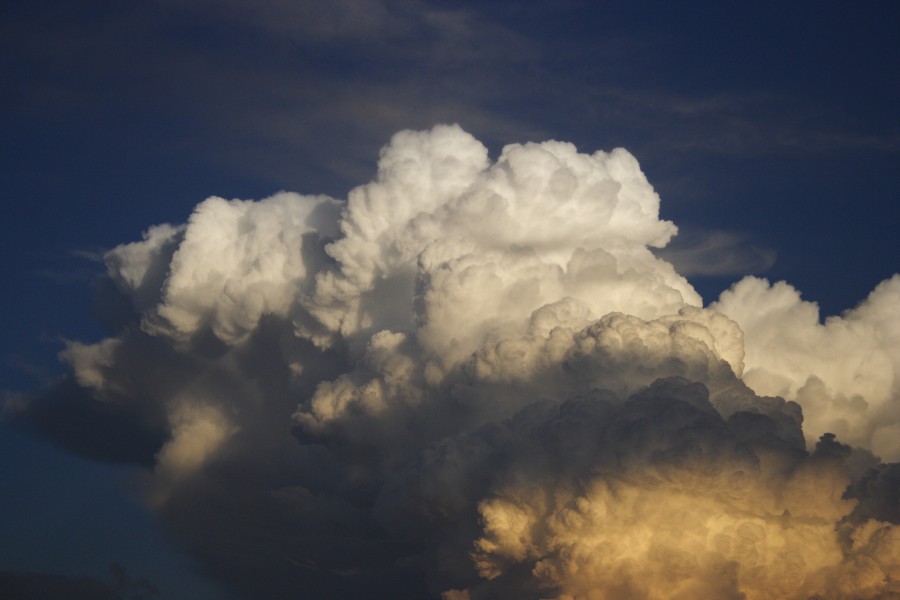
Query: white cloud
(501, 390)
(845, 371)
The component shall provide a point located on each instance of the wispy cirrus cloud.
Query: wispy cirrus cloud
(717, 253)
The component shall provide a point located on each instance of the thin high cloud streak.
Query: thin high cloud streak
(418, 61)
(475, 379)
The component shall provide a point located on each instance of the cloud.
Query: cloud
(669, 505)
(737, 123)
(441, 33)
(329, 21)
(844, 372)
(474, 378)
(717, 253)
(236, 262)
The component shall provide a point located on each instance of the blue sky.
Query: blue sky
(770, 131)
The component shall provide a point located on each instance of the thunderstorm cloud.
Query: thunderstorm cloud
(478, 378)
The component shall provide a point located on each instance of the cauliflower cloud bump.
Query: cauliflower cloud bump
(474, 379)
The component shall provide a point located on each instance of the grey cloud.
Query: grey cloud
(717, 253)
(70, 416)
(878, 491)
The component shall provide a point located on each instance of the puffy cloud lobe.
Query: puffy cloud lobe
(439, 214)
(235, 262)
(475, 379)
(845, 372)
(656, 496)
(692, 514)
(396, 385)
(140, 268)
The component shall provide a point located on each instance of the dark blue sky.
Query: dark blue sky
(771, 127)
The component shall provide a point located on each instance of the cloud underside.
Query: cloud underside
(481, 379)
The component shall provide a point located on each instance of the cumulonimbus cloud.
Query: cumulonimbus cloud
(473, 379)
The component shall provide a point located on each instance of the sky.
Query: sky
(235, 407)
